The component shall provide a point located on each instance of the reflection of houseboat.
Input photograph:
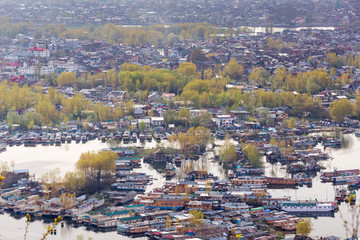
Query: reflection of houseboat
(335, 143)
(291, 206)
(170, 171)
(178, 160)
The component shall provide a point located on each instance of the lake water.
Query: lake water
(345, 158)
(41, 159)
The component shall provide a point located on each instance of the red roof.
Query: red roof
(37, 49)
(12, 64)
(17, 79)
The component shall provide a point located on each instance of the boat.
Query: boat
(220, 134)
(357, 133)
(307, 206)
(303, 179)
(126, 136)
(30, 141)
(68, 139)
(129, 187)
(58, 139)
(281, 181)
(142, 137)
(134, 137)
(77, 138)
(118, 136)
(328, 176)
(345, 179)
(148, 137)
(157, 137)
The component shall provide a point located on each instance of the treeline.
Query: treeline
(131, 78)
(341, 108)
(342, 60)
(29, 106)
(192, 88)
(111, 33)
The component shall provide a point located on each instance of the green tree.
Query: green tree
(197, 56)
(304, 227)
(227, 151)
(142, 126)
(66, 78)
(339, 109)
(187, 69)
(98, 169)
(233, 69)
(74, 181)
(253, 155)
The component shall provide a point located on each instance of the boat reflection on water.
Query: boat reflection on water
(313, 214)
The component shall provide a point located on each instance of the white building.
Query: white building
(168, 96)
(197, 112)
(157, 121)
(224, 120)
(44, 69)
(146, 121)
(39, 52)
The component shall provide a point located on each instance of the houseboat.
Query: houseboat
(126, 136)
(30, 141)
(122, 197)
(307, 206)
(58, 139)
(281, 181)
(77, 138)
(220, 134)
(148, 137)
(134, 137)
(328, 176)
(129, 187)
(142, 137)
